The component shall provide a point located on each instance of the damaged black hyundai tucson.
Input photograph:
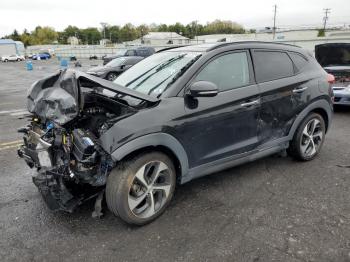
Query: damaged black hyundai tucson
(179, 114)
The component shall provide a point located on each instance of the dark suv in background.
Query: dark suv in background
(137, 51)
(175, 116)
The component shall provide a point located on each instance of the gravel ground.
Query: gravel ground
(274, 209)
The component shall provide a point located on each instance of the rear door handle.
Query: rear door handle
(251, 103)
(299, 90)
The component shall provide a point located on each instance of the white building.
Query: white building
(306, 38)
(73, 40)
(161, 38)
(10, 47)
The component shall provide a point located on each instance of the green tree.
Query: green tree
(26, 38)
(91, 35)
(68, 32)
(15, 36)
(142, 30)
(162, 28)
(44, 35)
(113, 32)
(223, 27)
(321, 33)
(128, 32)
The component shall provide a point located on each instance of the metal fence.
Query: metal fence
(85, 51)
(80, 51)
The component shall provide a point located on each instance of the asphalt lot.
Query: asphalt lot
(275, 209)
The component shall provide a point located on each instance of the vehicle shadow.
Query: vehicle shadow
(215, 184)
(341, 109)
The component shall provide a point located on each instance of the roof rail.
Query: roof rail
(248, 42)
(169, 48)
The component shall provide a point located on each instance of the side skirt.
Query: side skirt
(232, 161)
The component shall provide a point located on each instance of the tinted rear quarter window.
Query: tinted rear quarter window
(271, 65)
(298, 60)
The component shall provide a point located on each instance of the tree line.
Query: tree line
(118, 34)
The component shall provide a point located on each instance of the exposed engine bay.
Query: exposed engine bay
(70, 111)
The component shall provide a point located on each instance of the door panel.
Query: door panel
(282, 92)
(218, 127)
(278, 107)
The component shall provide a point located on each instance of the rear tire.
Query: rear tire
(308, 138)
(139, 190)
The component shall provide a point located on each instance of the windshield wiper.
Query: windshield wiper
(175, 77)
(180, 73)
(159, 68)
(171, 60)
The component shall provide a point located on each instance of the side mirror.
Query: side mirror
(203, 89)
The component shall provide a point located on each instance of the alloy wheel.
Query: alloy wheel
(150, 189)
(112, 77)
(312, 137)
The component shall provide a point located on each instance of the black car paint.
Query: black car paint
(207, 134)
(217, 128)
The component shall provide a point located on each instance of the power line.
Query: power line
(325, 18)
(274, 22)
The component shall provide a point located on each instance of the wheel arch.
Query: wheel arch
(321, 107)
(161, 142)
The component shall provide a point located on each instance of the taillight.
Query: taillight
(330, 79)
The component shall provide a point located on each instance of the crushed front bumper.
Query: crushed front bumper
(55, 193)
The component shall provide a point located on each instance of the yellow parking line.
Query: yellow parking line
(9, 147)
(11, 143)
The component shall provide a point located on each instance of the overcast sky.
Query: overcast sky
(22, 14)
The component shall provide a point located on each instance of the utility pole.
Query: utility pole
(274, 22)
(196, 31)
(325, 18)
(104, 29)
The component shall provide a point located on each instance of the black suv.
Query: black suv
(142, 51)
(177, 115)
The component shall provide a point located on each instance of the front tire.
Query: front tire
(139, 190)
(111, 76)
(308, 138)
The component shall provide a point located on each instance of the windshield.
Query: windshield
(116, 62)
(156, 73)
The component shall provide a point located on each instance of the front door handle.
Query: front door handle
(251, 103)
(299, 90)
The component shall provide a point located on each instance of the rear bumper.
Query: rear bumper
(342, 97)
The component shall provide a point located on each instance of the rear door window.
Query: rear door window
(131, 53)
(227, 71)
(143, 53)
(298, 60)
(271, 65)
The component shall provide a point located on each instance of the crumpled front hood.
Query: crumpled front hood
(59, 97)
(55, 97)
